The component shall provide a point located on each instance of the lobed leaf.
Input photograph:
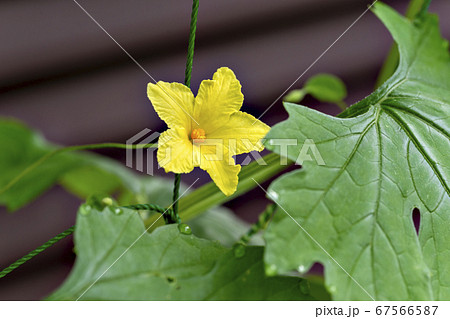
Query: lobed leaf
(383, 157)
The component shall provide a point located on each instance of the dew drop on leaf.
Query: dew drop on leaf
(118, 211)
(271, 270)
(301, 269)
(273, 195)
(185, 229)
(107, 201)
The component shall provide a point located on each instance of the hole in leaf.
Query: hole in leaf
(416, 219)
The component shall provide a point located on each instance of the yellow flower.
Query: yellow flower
(206, 131)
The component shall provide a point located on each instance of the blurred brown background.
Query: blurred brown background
(61, 74)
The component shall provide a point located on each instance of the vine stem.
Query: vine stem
(38, 250)
(69, 149)
(187, 82)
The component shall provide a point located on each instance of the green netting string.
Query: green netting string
(167, 213)
(38, 250)
(261, 224)
(187, 82)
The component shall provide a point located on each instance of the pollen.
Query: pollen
(198, 135)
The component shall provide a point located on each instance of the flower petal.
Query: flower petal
(175, 151)
(217, 99)
(173, 102)
(242, 133)
(221, 167)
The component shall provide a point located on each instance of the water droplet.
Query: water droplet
(273, 195)
(271, 270)
(239, 250)
(107, 201)
(118, 211)
(305, 287)
(185, 229)
(332, 289)
(85, 210)
(301, 269)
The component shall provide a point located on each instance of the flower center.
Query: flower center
(198, 135)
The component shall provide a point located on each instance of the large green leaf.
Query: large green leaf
(385, 156)
(118, 260)
(82, 173)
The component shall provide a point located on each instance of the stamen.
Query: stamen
(198, 135)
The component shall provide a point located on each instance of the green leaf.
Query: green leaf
(88, 180)
(81, 173)
(323, 87)
(118, 260)
(20, 148)
(97, 174)
(326, 88)
(295, 96)
(385, 156)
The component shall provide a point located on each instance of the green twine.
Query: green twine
(187, 82)
(261, 224)
(190, 55)
(167, 213)
(38, 250)
(176, 194)
(152, 207)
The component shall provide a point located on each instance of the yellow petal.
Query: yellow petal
(175, 152)
(242, 133)
(220, 166)
(173, 102)
(217, 99)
